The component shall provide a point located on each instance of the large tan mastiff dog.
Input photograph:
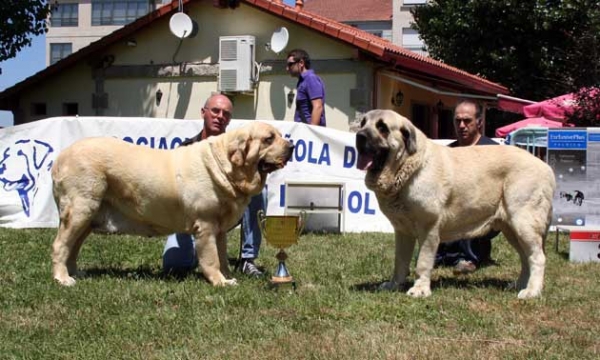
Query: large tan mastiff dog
(108, 185)
(433, 193)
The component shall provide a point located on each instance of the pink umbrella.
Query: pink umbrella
(560, 107)
(533, 121)
(554, 109)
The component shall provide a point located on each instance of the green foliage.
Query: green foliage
(587, 111)
(125, 308)
(20, 20)
(538, 49)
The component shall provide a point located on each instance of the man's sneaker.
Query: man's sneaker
(464, 267)
(250, 269)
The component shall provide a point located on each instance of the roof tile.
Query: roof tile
(304, 18)
(274, 7)
(351, 10)
(318, 24)
(290, 13)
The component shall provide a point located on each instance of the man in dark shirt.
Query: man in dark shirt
(467, 254)
(310, 91)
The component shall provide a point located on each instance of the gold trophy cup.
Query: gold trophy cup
(281, 231)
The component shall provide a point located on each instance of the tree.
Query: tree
(20, 20)
(539, 48)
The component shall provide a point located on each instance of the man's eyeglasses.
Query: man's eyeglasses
(291, 63)
(466, 121)
(215, 111)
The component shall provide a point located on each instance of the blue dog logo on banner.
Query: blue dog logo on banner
(20, 167)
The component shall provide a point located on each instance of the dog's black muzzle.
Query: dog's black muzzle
(362, 144)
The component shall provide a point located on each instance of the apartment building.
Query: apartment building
(374, 17)
(74, 24)
(388, 19)
(402, 34)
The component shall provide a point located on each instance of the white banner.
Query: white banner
(27, 153)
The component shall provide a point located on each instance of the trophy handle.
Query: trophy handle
(301, 222)
(262, 222)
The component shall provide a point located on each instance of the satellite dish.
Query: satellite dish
(279, 39)
(181, 25)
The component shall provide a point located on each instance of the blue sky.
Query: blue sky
(28, 62)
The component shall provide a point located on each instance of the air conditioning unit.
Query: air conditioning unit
(236, 63)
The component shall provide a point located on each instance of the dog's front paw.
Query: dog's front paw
(419, 291)
(390, 286)
(66, 281)
(528, 294)
(230, 282)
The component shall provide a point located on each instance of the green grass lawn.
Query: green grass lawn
(125, 308)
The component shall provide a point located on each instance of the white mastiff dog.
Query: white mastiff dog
(111, 186)
(433, 193)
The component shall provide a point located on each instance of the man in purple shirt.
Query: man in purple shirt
(310, 92)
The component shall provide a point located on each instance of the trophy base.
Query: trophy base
(279, 283)
(281, 279)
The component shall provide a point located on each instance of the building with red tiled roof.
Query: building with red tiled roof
(374, 17)
(143, 70)
(389, 19)
(351, 10)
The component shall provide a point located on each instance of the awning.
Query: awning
(512, 104)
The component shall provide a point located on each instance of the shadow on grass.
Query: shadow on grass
(441, 283)
(139, 273)
(148, 272)
(466, 282)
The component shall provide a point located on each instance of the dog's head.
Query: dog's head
(21, 164)
(384, 142)
(255, 150)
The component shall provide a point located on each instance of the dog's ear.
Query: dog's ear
(244, 150)
(41, 151)
(236, 151)
(409, 136)
(252, 151)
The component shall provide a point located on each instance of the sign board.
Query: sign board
(584, 246)
(574, 155)
(28, 151)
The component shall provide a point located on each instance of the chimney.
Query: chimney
(299, 5)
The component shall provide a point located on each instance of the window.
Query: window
(60, 51)
(420, 118)
(118, 12)
(446, 125)
(375, 32)
(69, 109)
(412, 41)
(38, 109)
(65, 15)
